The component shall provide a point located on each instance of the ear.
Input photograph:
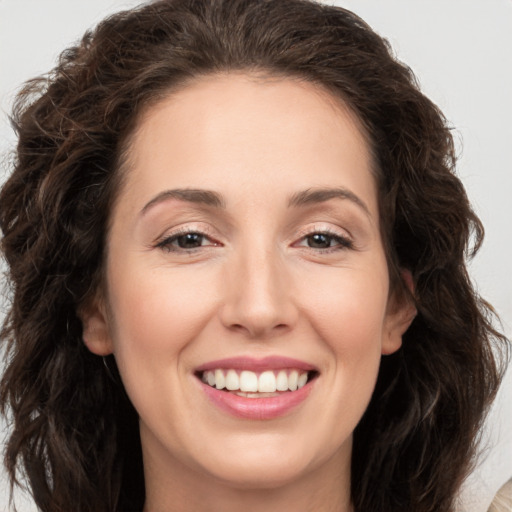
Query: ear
(401, 312)
(95, 330)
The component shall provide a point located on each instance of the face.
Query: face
(247, 296)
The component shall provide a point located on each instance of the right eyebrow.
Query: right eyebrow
(191, 195)
(320, 195)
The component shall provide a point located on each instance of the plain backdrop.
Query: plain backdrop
(460, 51)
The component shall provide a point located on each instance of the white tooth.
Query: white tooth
(204, 377)
(232, 380)
(282, 381)
(220, 380)
(303, 378)
(293, 380)
(258, 395)
(248, 381)
(211, 378)
(267, 382)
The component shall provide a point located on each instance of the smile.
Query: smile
(257, 389)
(253, 384)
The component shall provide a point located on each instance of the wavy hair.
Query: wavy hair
(74, 433)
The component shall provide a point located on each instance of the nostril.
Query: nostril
(237, 327)
(254, 331)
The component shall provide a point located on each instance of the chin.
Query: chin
(247, 476)
(269, 464)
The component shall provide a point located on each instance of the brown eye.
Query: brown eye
(185, 242)
(319, 241)
(324, 241)
(189, 240)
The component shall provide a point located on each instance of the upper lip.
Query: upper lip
(257, 364)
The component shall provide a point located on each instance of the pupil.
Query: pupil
(190, 240)
(319, 241)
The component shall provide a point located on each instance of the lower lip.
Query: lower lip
(257, 408)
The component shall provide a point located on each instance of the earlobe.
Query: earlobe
(399, 317)
(95, 331)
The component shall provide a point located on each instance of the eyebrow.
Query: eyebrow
(320, 195)
(213, 199)
(191, 195)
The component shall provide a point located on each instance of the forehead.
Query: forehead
(238, 132)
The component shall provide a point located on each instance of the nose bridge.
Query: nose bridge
(258, 301)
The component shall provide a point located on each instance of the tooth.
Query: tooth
(257, 395)
(220, 381)
(282, 381)
(267, 382)
(232, 380)
(293, 380)
(248, 381)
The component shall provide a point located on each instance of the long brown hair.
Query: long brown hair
(74, 433)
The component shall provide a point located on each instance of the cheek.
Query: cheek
(349, 312)
(156, 315)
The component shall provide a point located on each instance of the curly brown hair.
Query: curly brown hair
(74, 433)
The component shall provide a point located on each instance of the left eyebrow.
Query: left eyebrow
(197, 196)
(320, 195)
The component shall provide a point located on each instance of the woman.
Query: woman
(236, 245)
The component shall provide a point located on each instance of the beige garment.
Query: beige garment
(502, 502)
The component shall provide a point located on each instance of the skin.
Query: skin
(257, 286)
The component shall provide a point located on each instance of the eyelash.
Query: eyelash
(343, 242)
(166, 243)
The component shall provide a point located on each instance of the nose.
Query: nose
(258, 300)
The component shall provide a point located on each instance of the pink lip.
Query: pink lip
(256, 365)
(256, 408)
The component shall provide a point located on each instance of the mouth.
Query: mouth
(257, 389)
(252, 384)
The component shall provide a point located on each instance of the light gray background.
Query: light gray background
(461, 52)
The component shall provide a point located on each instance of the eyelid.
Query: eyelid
(323, 228)
(345, 238)
(169, 235)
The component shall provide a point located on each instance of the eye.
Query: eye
(186, 241)
(323, 240)
(319, 241)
